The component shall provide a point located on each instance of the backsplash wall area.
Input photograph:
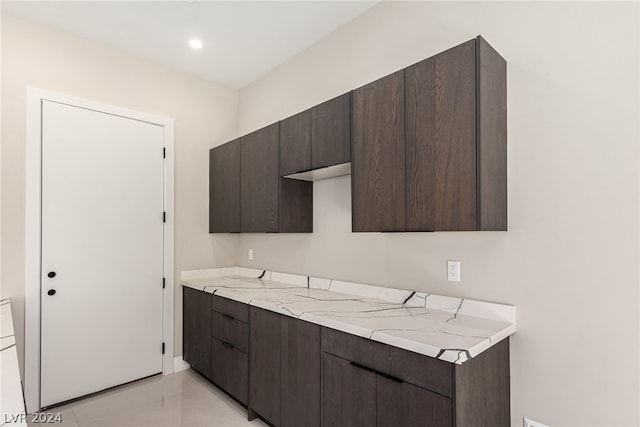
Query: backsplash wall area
(569, 261)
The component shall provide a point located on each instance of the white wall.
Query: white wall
(569, 261)
(204, 116)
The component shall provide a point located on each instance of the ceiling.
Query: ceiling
(242, 40)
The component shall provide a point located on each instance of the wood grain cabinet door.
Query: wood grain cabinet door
(378, 155)
(259, 181)
(224, 188)
(295, 143)
(441, 141)
(331, 132)
(264, 364)
(196, 330)
(403, 404)
(348, 394)
(230, 369)
(300, 373)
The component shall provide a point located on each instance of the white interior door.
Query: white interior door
(102, 237)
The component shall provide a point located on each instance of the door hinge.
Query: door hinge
(162, 348)
(164, 153)
(163, 283)
(164, 217)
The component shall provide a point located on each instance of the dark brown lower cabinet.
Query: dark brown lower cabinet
(355, 395)
(264, 364)
(196, 330)
(230, 347)
(230, 371)
(284, 385)
(399, 403)
(367, 383)
(299, 373)
(348, 394)
(294, 373)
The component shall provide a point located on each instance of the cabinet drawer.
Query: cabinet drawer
(231, 308)
(230, 369)
(228, 329)
(365, 352)
(423, 371)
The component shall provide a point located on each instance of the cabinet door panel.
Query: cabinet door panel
(403, 404)
(441, 141)
(348, 394)
(378, 162)
(295, 143)
(331, 132)
(300, 368)
(224, 188)
(259, 181)
(196, 330)
(230, 369)
(264, 364)
(296, 206)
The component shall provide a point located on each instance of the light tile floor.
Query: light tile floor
(180, 399)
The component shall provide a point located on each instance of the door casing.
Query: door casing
(33, 236)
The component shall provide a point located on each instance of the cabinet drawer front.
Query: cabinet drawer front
(230, 370)
(228, 307)
(423, 371)
(230, 330)
(365, 352)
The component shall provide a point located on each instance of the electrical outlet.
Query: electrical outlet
(453, 271)
(526, 422)
(250, 254)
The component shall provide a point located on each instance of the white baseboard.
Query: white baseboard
(179, 364)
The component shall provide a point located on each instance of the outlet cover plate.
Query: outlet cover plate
(453, 271)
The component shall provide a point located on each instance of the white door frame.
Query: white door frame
(33, 232)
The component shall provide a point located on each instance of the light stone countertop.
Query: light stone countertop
(447, 328)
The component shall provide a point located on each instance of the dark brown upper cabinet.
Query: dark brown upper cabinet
(453, 168)
(377, 169)
(331, 132)
(259, 181)
(456, 140)
(295, 143)
(224, 188)
(316, 138)
(426, 148)
(296, 206)
(491, 134)
(441, 141)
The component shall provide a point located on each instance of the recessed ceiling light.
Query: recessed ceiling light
(195, 43)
